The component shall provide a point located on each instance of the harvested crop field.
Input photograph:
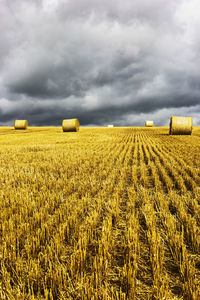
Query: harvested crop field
(105, 213)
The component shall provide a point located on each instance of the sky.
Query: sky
(105, 62)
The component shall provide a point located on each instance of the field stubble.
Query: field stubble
(106, 213)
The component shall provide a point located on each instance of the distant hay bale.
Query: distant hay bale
(180, 125)
(70, 125)
(110, 126)
(21, 124)
(149, 124)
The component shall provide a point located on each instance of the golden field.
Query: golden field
(105, 213)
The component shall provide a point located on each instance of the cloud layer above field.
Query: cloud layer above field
(103, 61)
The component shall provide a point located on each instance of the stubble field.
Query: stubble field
(105, 213)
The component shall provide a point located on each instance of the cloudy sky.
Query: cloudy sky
(118, 61)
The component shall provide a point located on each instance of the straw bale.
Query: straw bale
(70, 125)
(21, 124)
(149, 123)
(180, 125)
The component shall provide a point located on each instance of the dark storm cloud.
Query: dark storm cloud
(101, 61)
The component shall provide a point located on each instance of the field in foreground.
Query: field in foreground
(106, 213)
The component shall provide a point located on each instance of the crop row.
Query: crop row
(103, 214)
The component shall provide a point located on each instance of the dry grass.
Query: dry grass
(103, 214)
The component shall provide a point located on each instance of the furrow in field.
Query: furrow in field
(143, 168)
(173, 232)
(92, 258)
(124, 251)
(154, 241)
(177, 206)
(185, 163)
(180, 150)
(163, 182)
(110, 253)
(152, 178)
(48, 233)
(135, 164)
(171, 171)
(182, 179)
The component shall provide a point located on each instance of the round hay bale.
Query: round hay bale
(180, 125)
(21, 124)
(110, 126)
(149, 124)
(70, 125)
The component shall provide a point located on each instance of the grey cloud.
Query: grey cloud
(51, 113)
(154, 12)
(98, 60)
